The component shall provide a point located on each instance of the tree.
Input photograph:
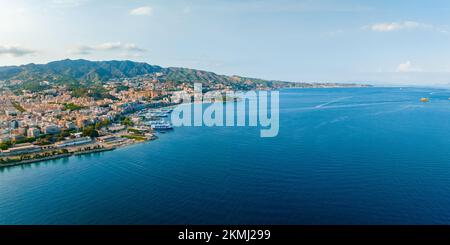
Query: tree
(102, 124)
(90, 131)
(127, 121)
(5, 145)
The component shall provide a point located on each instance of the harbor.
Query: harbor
(146, 123)
(156, 119)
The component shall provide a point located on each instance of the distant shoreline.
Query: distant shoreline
(337, 87)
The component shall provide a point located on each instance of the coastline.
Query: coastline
(76, 153)
(65, 155)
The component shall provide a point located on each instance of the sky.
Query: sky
(383, 42)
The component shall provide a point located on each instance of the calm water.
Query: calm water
(343, 156)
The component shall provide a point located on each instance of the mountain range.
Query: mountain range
(84, 71)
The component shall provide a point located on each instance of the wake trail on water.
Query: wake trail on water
(314, 108)
(333, 101)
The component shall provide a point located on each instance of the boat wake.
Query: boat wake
(332, 102)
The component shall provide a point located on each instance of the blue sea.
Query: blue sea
(342, 156)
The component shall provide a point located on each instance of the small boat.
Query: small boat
(153, 122)
(167, 111)
(156, 114)
(424, 100)
(159, 114)
(162, 126)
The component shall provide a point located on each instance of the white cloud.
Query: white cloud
(118, 46)
(108, 46)
(407, 67)
(14, 51)
(395, 26)
(81, 49)
(145, 10)
(403, 25)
